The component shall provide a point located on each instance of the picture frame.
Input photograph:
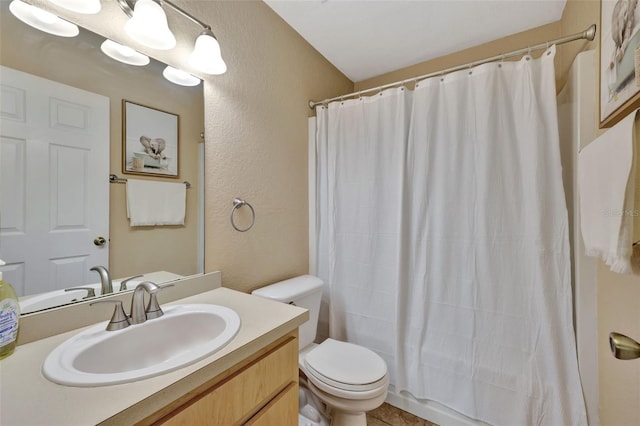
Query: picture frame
(150, 141)
(619, 64)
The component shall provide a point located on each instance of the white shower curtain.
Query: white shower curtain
(442, 233)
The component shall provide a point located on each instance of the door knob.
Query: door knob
(100, 241)
(624, 347)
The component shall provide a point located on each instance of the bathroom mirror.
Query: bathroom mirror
(166, 252)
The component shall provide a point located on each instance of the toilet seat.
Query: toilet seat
(346, 367)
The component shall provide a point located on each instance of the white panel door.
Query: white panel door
(54, 158)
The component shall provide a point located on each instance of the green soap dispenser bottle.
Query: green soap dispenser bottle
(9, 317)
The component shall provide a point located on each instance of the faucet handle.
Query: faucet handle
(153, 308)
(91, 292)
(119, 319)
(123, 283)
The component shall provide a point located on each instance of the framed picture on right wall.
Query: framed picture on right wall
(619, 60)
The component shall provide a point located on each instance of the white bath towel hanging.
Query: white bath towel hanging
(606, 172)
(152, 203)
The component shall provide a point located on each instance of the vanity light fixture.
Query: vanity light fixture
(148, 26)
(206, 56)
(88, 7)
(180, 77)
(42, 20)
(123, 53)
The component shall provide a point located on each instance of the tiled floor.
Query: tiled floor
(386, 415)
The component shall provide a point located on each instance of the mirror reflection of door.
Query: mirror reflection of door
(56, 134)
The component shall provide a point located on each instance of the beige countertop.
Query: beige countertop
(28, 398)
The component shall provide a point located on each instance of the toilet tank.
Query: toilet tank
(304, 291)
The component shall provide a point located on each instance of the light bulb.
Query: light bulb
(42, 20)
(180, 77)
(81, 6)
(149, 27)
(123, 53)
(206, 56)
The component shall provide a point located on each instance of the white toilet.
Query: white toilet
(348, 378)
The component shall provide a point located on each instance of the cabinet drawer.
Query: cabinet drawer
(241, 395)
(280, 411)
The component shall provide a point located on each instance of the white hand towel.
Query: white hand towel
(606, 180)
(155, 203)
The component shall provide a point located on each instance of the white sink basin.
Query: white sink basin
(184, 335)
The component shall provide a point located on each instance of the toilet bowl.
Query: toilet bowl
(348, 379)
(311, 411)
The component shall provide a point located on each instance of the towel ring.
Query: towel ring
(237, 203)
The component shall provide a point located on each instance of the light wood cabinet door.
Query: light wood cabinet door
(238, 397)
(280, 411)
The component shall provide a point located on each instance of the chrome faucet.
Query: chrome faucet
(105, 279)
(139, 313)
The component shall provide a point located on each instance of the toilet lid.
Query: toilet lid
(347, 364)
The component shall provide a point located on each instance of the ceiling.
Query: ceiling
(367, 38)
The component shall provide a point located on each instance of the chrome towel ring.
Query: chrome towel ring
(237, 203)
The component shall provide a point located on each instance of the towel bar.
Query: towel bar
(115, 179)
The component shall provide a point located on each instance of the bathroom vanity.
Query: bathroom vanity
(261, 390)
(252, 380)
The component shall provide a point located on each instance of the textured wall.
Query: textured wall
(256, 142)
(577, 16)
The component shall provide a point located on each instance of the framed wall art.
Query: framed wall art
(619, 60)
(150, 140)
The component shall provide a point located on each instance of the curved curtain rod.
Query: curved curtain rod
(589, 34)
